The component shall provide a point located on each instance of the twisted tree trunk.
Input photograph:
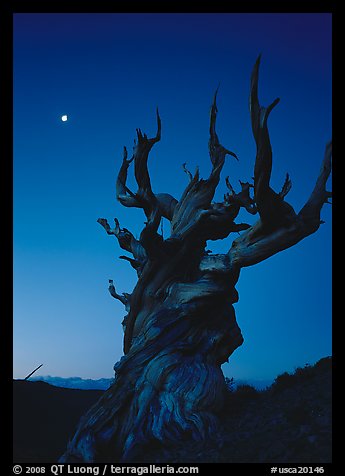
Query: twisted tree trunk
(180, 325)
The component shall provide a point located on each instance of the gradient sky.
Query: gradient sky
(109, 72)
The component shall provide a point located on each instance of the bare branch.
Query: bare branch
(105, 224)
(279, 227)
(216, 150)
(126, 240)
(252, 247)
(123, 194)
(229, 186)
(272, 209)
(167, 204)
(144, 198)
(319, 195)
(141, 153)
(134, 262)
(193, 209)
(124, 298)
(286, 187)
(187, 171)
(150, 202)
(243, 198)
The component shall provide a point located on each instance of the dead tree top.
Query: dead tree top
(195, 218)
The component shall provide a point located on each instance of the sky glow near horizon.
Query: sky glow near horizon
(108, 73)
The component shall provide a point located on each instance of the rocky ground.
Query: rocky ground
(290, 422)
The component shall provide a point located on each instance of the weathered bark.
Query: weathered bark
(180, 324)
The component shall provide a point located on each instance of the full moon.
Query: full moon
(64, 118)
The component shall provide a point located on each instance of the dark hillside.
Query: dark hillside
(44, 417)
(291, 422)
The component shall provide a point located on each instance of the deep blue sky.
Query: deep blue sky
(108, 72)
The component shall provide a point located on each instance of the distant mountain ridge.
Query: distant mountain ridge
(104, 383)
(75, 382)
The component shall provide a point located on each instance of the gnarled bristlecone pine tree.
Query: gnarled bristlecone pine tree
(180, 325)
